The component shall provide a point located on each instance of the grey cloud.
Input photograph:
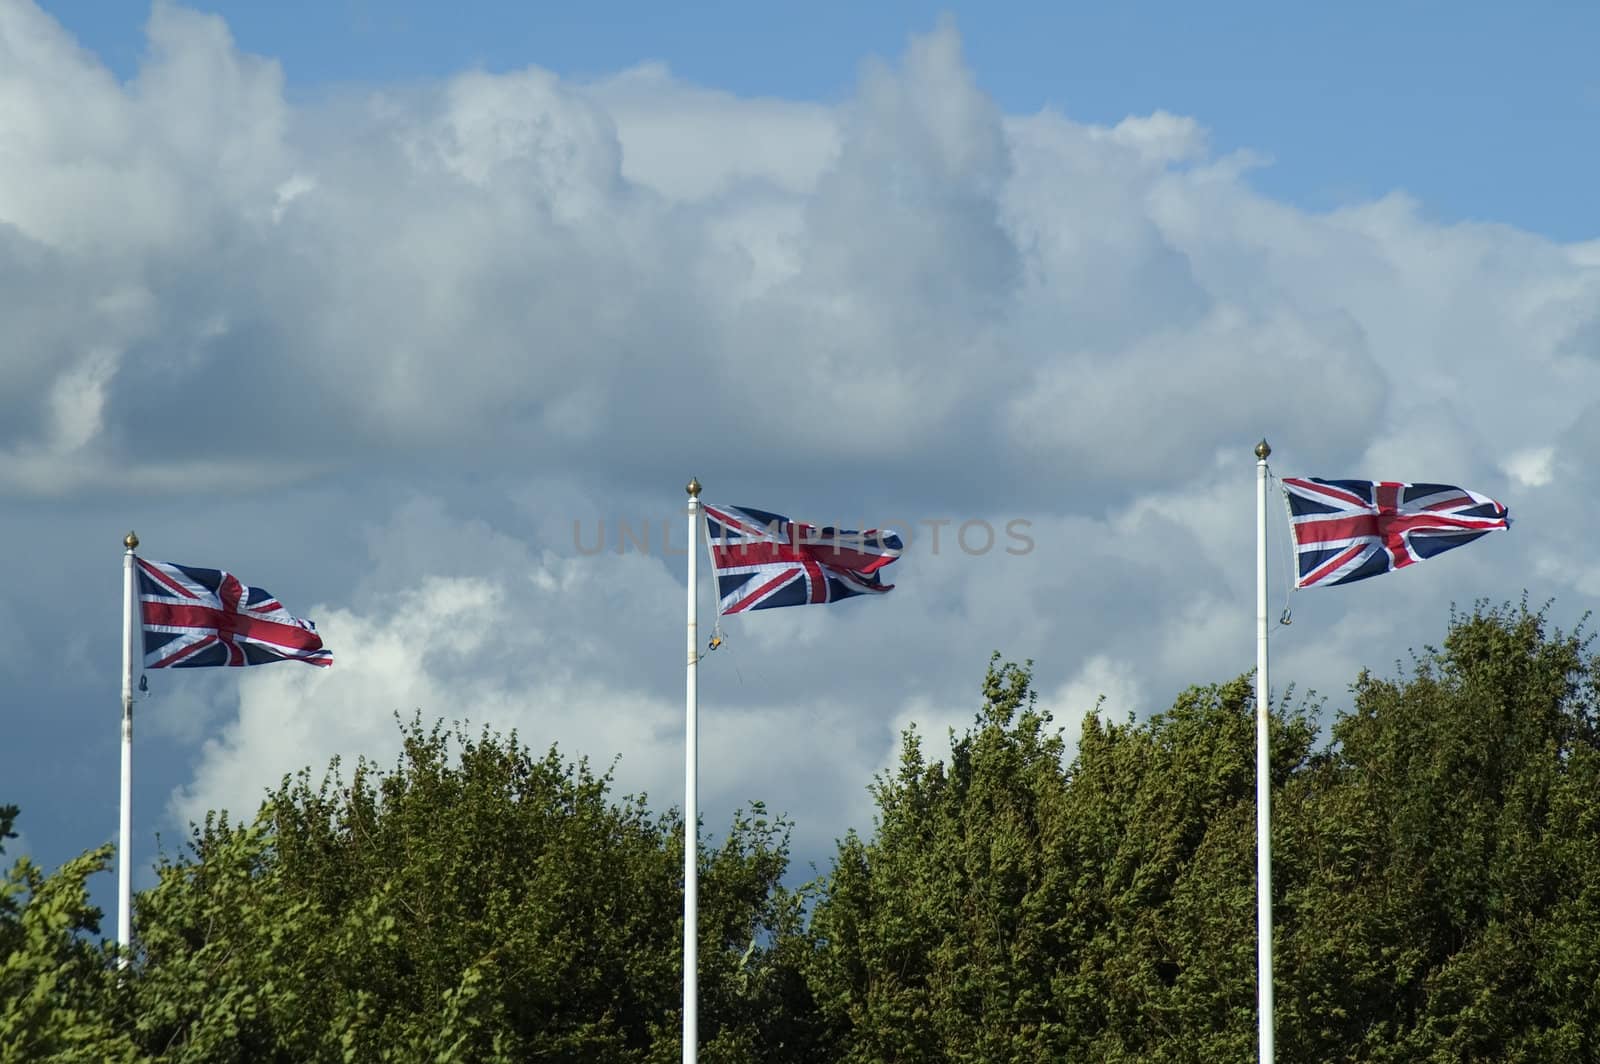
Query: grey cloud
(1102, 416)
(378, 350)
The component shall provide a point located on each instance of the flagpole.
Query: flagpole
(691, 811)
(130, 631)
(1263, 773)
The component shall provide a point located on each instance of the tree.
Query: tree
(1436, 883)
(1013, 907)
(55, 985)
(481, 904)
(932, 936)
(1445, 888)
(1436, 874)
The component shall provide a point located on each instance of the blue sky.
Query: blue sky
(1480, 110)
(376, 333)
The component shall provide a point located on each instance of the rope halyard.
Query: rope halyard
(716, 598)
(1286, 551)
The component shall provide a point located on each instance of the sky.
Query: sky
(403, 316)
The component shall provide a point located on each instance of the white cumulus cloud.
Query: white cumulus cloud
(389, 343)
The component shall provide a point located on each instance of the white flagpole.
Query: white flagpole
(691, 811)
(1263, 774)
(131, 629)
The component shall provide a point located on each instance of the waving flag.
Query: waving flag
(764, 560)
(1347, 530)
(196, 618)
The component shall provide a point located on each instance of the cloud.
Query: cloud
(692, 144)
(1317, 376)
(1532, 467)
(380, 348)
(495, 266)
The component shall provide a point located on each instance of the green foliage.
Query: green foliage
(1016, 907)
(485, 905)
(930, 934)
(1436, 875)
(1444, 858)
(55, 988)
(8, 905)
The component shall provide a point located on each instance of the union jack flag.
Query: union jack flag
(764, 561)
(195, 618)
(1347, 530)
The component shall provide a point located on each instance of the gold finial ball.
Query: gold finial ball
(1262, 450)
(131, 541)
(693, 487)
